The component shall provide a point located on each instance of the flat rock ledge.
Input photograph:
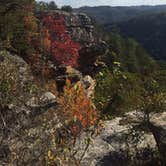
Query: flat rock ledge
(123, 142)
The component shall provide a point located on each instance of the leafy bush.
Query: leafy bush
(117, 92)
(76, 114)
(154, 97)
(78, 109)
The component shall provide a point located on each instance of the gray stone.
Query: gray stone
(48, 97)
(89, 84)
(121, 138)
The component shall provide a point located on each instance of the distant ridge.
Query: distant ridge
(109, 15)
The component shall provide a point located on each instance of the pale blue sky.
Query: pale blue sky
(78, 3)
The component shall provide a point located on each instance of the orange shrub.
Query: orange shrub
(46, 41)
(77, 108)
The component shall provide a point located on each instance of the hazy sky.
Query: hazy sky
(78, 3)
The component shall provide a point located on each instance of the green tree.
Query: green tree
(67, 8)
(154, 101)
(41, 6)
(52, 6)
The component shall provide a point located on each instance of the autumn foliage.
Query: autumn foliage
(58, 42)
(78, 109)
(46, 40)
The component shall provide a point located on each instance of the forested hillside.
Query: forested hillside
(130, 54)
(148, 30)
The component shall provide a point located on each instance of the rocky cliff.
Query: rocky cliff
(80, 28)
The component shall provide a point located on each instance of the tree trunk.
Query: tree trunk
(160, 138)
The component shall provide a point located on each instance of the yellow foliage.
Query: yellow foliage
(77, 107)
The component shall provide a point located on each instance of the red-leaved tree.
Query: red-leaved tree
(63, 49)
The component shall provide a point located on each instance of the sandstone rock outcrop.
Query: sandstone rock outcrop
(123, 142)
(81, 29)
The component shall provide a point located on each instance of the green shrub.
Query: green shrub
(116, 93)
